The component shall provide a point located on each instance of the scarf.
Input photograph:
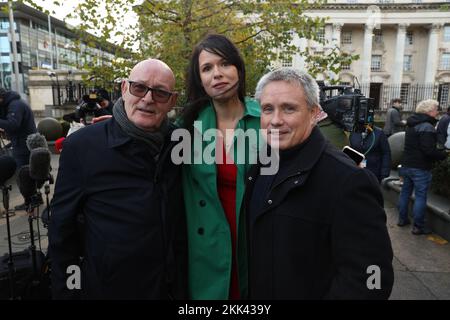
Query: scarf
(154, 140)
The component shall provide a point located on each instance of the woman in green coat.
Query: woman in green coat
(213, 184)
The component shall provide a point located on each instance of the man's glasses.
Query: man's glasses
(140, 90)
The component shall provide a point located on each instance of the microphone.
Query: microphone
(229, 89)
(36, 140)
(27, 186)
(40, 164)
(7, 168)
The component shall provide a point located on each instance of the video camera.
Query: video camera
(349, 108)
(89, 107)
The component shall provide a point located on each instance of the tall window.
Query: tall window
(346, 37)
(443, 95)
(407, 63)
(375, 63)
(445, 61)
(378, 36)
(404, 91)
(447, 34)
(321, 34)
(409, 38)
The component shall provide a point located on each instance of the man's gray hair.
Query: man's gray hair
(426, 106)
(294, 76)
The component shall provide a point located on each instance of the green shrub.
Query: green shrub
(441, 178)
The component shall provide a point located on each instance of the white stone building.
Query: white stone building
(404, 47)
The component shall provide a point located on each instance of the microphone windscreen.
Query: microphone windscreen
(27, 186)
(40, 164)
(36, 140)
(7, 168)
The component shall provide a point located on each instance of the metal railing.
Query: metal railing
(411, 94)
(71, 94)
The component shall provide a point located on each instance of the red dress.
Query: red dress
(226, 187)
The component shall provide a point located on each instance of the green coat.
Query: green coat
(209, 236)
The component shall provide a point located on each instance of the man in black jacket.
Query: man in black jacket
(317, 228)
(118, 176)
(418, 155)
(17, 121)
(442, 128)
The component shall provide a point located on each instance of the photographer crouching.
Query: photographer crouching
(90, 108)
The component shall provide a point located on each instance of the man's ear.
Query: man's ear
(173, 100)
(314, 114)
(124, 87)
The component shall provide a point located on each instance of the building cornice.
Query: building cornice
(381, 6)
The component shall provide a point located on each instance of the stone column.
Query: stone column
(432, 54)
(336, 39)
(367, 54)
(397, 75)
(399, 54)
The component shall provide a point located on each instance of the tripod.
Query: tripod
(5, 192)
(36, 201)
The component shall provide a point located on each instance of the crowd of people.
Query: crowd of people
(140, 226)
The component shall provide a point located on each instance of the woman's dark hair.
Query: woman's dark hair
(197, 98)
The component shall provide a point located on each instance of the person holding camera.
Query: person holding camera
(372, 142)
(316, 229)
(17, 122)
(92, 106)
(104, 100)
(133, 239)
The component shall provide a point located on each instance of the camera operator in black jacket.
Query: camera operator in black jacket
(17, 122)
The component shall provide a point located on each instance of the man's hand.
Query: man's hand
(101, 118)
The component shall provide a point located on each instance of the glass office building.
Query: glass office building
(36, 46)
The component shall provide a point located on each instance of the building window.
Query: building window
(377, 36)
(345, 84)
(346, 37)
(407, 63)
(375, 63)
(409, 38)
(345, 66)
(443, 95)
(286, 62)
(445, 61)
(404, 92)
(447, 34)
(321, 34)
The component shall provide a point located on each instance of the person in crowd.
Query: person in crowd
(419, 153)
(442, 134)
(317, 228)
(332, 131)
(132, 234)
(394, 122)
(213, 193)
(104, 100)
(17, 122)
(447, 142)
(374, 145)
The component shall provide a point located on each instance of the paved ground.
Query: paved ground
(421, 263)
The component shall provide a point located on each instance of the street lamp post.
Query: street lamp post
(54, 75)
(70, 96)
